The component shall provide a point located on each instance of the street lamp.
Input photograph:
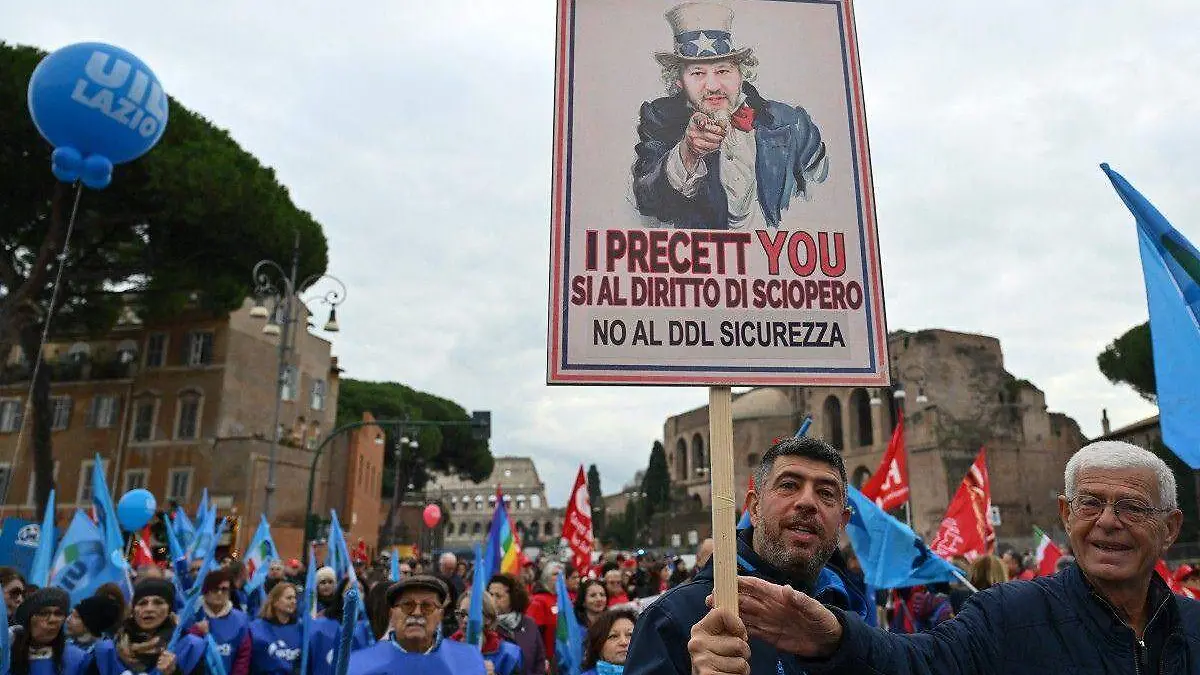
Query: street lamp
(282, 292)
(397, 455)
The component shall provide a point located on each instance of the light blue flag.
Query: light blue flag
(39, 573)
(205, 537)
(183, 528)
(395, 564)
(339, 554)
(891, 554)
(82, 562)
(202, 509)
(308, 608)
(1171, 266)
(212, 656)
(568, 639)
(114, 540)
(479, 582)
(341, 659)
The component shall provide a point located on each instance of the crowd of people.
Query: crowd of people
(802, 604)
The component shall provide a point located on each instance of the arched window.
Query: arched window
(681, 468)
(860, 477)
(462, 529)
(861, 430)
(699, 460)
(549, 529)
(79, 352)
(535, 501)
(831, 411)
(535, 527)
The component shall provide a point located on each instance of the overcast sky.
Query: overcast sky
(418, 133)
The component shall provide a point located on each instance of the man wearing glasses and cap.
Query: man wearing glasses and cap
(418, 606)
(715, 154)
(1109, 612)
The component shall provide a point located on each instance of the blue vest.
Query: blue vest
(386, 658)
(506, 660)
(72, 663)
(323, 640)
(189, 652)
(228, 632)
(276, 647)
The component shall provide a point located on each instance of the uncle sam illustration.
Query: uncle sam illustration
(715, 154)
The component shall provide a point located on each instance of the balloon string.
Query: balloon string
(37, 362)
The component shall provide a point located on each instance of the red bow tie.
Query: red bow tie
(743, 118)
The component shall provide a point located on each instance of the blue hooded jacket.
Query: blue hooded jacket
(659, 645)
(189, 658)
(447, 658)
(276, 649)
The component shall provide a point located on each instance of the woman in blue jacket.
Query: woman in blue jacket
(276, 633)
(39, 647)
(229, 627)
(143, 642)
(607, 644)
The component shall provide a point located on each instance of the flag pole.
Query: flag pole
(720, 431)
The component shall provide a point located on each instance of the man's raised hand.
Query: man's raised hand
(792, 621)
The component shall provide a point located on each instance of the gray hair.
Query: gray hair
(1121, 455)
(673, 73)
(550, 574)
(448, 556)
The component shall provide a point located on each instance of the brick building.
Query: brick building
(958, 398)
(176, 407)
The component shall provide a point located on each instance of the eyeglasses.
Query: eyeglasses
(1128, 511)
(16, 592)
(411, 606)
(460, 613)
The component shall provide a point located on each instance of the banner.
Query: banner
(888, 486)
(19, 539)
(967, 528)
(577, 525)
(713, 217)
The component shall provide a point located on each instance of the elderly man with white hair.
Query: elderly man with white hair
(448, 572)
(1107, 613)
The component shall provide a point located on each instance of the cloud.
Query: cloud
(419, 135)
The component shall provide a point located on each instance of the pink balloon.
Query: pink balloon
(432, 515)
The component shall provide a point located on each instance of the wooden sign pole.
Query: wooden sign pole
(720, 448)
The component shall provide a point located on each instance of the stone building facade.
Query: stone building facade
(469, 506)
(179, 406)
(957, 398)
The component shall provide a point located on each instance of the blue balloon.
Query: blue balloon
(136, 509)
(98, 105)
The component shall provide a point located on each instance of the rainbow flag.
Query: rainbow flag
(504, 544)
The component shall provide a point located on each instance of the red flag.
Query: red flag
(1174, 579)
(577, 525)
(967, 528)
(141, 549)
(888, 486)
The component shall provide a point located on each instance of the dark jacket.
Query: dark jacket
(660, 638)
(528, 637)
(1056, 624)
(786, 140)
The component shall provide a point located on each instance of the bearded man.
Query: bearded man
(797, 507)
(715, 154)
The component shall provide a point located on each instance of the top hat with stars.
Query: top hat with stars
(702, 33)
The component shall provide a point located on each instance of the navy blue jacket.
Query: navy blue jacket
(787, 143)
(660, 638)
(1056, 624)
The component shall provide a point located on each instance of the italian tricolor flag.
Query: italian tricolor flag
(1047, 553)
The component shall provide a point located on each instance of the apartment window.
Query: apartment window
(10, 415)
(156, 350)
(136, 478)
(83, 494)
(143, 419)
(288, 382)
(317, 401)
(187, 424)
(103, 412)
(61, 416)
(30, 493)
(179, 485)
(199, 348)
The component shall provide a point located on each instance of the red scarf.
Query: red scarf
(491, 640)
